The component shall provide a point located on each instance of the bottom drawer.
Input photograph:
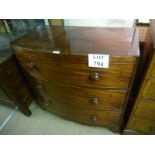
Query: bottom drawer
(142, 125)
(85, 116)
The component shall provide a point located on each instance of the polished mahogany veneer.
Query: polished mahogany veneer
(55, 62)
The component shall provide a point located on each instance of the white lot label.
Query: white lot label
(98, 60)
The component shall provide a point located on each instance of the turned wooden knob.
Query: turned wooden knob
(94, 76)
(94, 100)
(93, 118)
(30, 64)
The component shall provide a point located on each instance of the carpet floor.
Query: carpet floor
(44, 123)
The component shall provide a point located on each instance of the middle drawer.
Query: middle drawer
(99, 99)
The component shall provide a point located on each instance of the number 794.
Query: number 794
(98, 63)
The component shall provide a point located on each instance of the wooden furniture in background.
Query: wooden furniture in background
(13, 89)
(55, 62)
(142, 119)
(141, 68)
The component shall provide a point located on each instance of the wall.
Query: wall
(99, 22)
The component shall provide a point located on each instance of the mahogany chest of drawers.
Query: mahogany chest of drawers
(55, 62)
(13, 88)
(142, 118)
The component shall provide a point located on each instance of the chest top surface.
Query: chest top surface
(72, 40)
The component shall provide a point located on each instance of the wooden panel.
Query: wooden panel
(146, 109)
(117, 75)
(149, 90)
(142, 125)
(100, 99)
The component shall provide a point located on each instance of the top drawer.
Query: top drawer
(75, 72)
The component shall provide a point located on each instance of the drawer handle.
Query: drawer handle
(93, 118)
(152, 129)
(94, 76)
(94, 100)
(30, 64)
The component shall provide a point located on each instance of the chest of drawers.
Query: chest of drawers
(142, 118)
(55, 62)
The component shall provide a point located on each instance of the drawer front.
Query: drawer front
(142, 125)
(76, 96)
(146, 109)
(85, 116)
(78, 74)
(149, 89)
